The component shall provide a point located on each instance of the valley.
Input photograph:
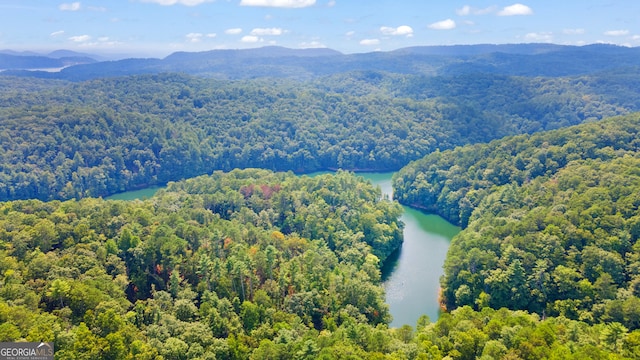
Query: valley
(232, 252)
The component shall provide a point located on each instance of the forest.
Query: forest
(62, 140)
(241, 256)
(551, 221)
(246, 264)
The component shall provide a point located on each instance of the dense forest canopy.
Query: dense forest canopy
(246, 264)
(551, 220)
(259, 264)
(452, 183)
(212, 257)
(64, 140)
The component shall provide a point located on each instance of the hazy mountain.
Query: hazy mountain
(14, 60)
(273, 61)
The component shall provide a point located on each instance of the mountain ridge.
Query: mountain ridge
(535, 59)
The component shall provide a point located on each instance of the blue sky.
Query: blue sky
(159, 27)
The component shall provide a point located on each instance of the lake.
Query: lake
(135, 194)
(411, 276)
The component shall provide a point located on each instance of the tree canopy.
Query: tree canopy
(551, 220)
(61, 140)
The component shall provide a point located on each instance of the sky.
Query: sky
(157, 28)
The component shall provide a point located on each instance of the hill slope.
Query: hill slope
(552, 220)
(95, 138)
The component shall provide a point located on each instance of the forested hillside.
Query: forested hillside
(453, 183)
(247, 264)
(551, 220)
(70, 140)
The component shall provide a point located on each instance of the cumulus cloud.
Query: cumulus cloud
(80, 38)
(470, 10)
(234, 31)
(539, 37)
(251, 39)
(267, 32)
(56, 33)
(180, 2)
(75, 6)
(617, 32)
(279, 3)
(515, 9)
(403, 30)
(369, 42)
(443, 25)
(573, 31)
(194, 37)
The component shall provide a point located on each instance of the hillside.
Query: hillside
(65, 140)
(551, 220)
(242, 265)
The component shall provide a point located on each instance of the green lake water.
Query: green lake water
(411, 275)
(135, 194)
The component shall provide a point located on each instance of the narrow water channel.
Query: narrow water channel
(411, 275)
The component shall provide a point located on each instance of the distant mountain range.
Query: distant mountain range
(274, 61)
(27, 60)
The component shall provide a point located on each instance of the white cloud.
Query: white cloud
(617, 32)
(369, 42)
(267, 31)
(279, 3)
(197, 37)
(80, 38)
(464, 11)
(573, 31)
(234, 31)
(515, 9)
(194, 37)
(57, 33)
(75, 6)
(443, 25)
(331, 3)
(635, 37)
(539, 37)
(174, 2)
(251, 39)
(312, 45)
(404, 30)
(470, 10)
(350, 33)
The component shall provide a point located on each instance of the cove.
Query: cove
(411, 275)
